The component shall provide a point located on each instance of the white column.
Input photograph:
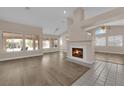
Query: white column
(34, 44)
(40, 39)
(58, 42)
(50, 42)
(24, 47)
(1, 42)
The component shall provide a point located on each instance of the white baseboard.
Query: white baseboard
(79, 62)
(19, 57)
(110, 52)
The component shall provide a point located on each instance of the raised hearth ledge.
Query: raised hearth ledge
(88, 51)
(78, 62)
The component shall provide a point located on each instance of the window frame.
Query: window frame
(114, 39)
(55, 43)
(4, 41)
(100, 33)
(98, 45)
(23, 38)
(36, 44)
(43, 44)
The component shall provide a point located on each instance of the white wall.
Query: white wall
(75, 29)
(6, 26)
(64, 37)
(114, 30)
(79, 38)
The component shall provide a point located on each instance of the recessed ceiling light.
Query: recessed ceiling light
(65, 11)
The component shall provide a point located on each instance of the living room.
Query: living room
(73, 46)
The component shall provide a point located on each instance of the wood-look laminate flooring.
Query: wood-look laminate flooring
(109, 57)
(48, 70)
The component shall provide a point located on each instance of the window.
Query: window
(100, 41)
(100, 31)
(36, 42)
(12, 42)
(29, 43)
(14, 45)
(46, 44)
(115, 40)
(55, 43)
(61, 42)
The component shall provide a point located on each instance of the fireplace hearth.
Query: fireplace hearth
(77, 52)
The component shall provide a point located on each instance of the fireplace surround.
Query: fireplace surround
(86, 54)
(79, 39)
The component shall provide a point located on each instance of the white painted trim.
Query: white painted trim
(110, 52)
(17, 55)
(87, 64)
(12, 58)
(49, 50)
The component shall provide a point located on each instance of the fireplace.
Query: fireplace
(80, 52)
(77, 52)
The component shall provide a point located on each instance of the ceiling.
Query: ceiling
(116, 23)
(94, 11)
(52, 20)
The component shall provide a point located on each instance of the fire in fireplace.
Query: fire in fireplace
(77, 52)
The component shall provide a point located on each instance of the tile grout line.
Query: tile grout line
(100, 73)
(108, 74)
(98, 66)
(92, 68)
(116, 75)
(96, 69)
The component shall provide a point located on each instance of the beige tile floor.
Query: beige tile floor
(102, 74)
(108, 70)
